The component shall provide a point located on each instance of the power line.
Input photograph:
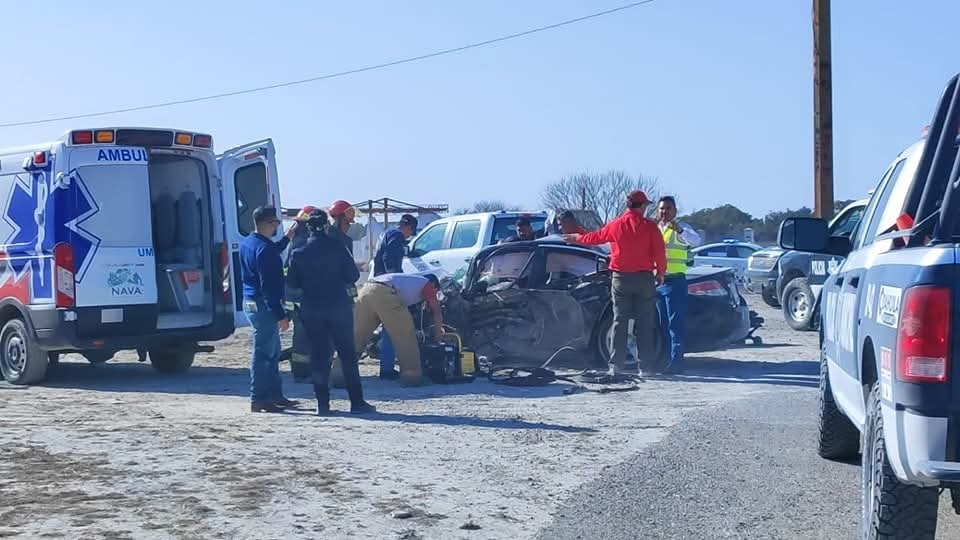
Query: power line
(333, 75)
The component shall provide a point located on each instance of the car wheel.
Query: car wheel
(769, 295)
(171, 360)
(891, 509)
(21, 359)
(798, 304)
(837, 437)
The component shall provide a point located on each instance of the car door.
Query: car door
(424, 251)
(249, 178)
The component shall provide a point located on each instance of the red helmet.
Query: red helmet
(339, 208)
(305, 212)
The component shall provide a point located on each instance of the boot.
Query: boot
(357, 403)
(323, 400)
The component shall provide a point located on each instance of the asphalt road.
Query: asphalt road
(748, 470)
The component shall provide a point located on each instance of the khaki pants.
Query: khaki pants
(379, 304)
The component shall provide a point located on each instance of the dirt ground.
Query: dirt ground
(117, 451)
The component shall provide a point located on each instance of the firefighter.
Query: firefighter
(300, 355)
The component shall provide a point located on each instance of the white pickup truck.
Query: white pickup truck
(449, 244)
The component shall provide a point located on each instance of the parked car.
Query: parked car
(449, 244)
(762, 273)
(727, 254)
(527, 300)
(889, 336)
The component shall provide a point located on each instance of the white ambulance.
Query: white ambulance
(123, 239)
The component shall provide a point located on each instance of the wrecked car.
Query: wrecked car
(528, 300)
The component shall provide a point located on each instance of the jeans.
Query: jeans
(672, 308)
(634, 298)
(388, 355)
(328, 328)
(265, 385)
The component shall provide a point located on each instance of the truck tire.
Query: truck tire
(769, 295)
(171, 360)
(891, 509)
(798, 304)
(21, 359)
(837, 437)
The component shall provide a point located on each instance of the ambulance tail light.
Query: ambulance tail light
(82, 137)
(63, 267)
(225, 271)
(923, 335)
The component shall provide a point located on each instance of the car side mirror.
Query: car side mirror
(804, 234)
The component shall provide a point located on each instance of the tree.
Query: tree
(603, 193)
(485, 206)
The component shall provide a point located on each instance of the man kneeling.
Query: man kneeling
(386, 299)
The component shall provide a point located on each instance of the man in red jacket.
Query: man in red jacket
(638, 259)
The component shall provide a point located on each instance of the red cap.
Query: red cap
(306, 211)
(637, 197)
(338, 208)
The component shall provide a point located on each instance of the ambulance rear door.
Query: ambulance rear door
(249, 174)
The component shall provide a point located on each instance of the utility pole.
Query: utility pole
(822, 112)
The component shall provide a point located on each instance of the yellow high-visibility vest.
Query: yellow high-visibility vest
(676, 252)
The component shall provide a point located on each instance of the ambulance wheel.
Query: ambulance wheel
(21, 359)
(171, 360)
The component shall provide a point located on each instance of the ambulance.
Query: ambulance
(124, 239)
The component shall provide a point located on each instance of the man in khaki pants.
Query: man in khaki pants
(386, 299)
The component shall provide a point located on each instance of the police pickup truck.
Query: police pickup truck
(889, 374)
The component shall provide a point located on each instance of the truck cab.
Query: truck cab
(889, 342)
(120, 239)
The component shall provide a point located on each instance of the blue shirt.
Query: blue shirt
(261, 271)
(390, 252)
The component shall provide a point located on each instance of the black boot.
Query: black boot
(357, 403)
(323, 400)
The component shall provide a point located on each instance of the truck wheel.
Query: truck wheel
(769, 295)
(21, 360)
(798, 304)
(837, 437)
(891, 509)
(171, 360)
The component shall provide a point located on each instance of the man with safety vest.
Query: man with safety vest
(638, 261)
(300, 355)
(678, 237)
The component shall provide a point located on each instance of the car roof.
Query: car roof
(502, 213)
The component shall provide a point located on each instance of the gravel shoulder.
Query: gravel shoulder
(117, 451)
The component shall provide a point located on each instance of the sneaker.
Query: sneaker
(265, 407)
(362, 408)
(390, 375)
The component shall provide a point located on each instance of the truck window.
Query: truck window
(465, 234)
(505, 227)
(250, 183)
(889, 202)
(847, 224)
(431, 239)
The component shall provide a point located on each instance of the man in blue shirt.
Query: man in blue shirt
(389, 260)
(261, 271)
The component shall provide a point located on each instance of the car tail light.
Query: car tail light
(63, 270)
(923, 335)
(225, 271)
(706, 288)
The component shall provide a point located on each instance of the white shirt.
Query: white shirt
(688, 235)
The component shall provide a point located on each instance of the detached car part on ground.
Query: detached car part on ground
(525, 301)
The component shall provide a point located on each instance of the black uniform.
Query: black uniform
(322, 270)
(300, 355)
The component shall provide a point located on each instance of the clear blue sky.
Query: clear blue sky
(714, 97)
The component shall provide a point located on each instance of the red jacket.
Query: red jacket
(636, 244)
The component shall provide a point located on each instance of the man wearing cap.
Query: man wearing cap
(678, 237)
(300, 354)
(389, 260)
(638, 261)
(261, 272)
(323, 269)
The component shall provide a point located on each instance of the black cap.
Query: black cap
(408, 219)
(317, 221)
(263, 214)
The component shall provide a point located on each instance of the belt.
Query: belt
(674, 276)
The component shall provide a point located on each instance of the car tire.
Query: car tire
(837, 437)
(799, 304)
(22, 361)
(769, 295)
(171, 360)
(891, 509)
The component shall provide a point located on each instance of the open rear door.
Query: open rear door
(249, 174)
